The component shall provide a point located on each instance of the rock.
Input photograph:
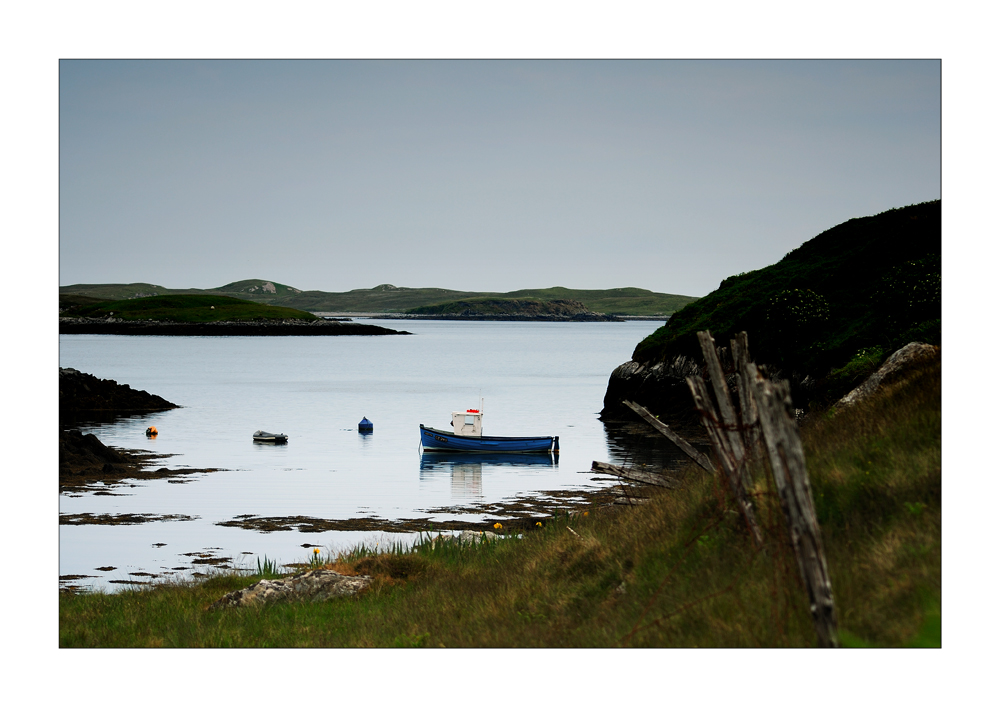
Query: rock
(81, 394)
(313, 585)
(472, 536)
(907, 358)
(660, 387)
(81, 454)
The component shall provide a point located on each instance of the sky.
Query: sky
(488, 175)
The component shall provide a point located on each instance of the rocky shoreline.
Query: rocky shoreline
(82, 395)
(284, 327)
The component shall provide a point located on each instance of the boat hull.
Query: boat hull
(270, 439)
(440, 441)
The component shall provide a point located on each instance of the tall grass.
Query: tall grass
(679, 571)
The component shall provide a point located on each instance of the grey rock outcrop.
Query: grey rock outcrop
(313, 585)
(906, 358)
(660, 387)
(83, 393)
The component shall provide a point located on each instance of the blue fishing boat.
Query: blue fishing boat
(468, 437)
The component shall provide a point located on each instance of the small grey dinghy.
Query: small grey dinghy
(269, 437)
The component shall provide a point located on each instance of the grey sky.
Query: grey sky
(479, 175)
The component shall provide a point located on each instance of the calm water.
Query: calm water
(536, 378)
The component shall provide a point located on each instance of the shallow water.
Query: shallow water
(537, 378)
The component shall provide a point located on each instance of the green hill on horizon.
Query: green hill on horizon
(626, 301)
(185, 308)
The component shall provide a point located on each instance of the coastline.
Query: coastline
(589, 317)
(285, 327)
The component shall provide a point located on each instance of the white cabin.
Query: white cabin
(468, 423)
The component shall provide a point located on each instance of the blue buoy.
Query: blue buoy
(365, 426)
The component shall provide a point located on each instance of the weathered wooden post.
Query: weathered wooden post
(748, 415)
(788, 466)
(724, 431)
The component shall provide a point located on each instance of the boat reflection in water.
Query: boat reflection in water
(466, 468)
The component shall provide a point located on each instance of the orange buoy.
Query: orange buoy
(151, 432)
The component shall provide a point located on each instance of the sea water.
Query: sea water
(534, 378)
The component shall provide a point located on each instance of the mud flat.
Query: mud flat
(517, 514)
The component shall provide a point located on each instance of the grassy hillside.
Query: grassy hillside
(857, 291)
(132, 290)
(187, 308)
(487, 306)
(389, 298)
(679, 571)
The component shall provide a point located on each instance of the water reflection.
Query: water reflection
(466, 469)
(638, 444)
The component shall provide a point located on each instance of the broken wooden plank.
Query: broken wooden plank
(642, 477)
(699, 458)
(630, 501)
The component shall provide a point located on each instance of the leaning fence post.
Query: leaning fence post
(748, 408)
(727, 459)
(726, 412)
(788, 466)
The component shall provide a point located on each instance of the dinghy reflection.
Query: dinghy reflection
(467, 468)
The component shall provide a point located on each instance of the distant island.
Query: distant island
(513, 310)
(389, 299)
(198, 315)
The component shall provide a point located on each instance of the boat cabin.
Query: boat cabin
(468, 423)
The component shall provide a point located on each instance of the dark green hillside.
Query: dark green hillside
(862, 288)
(189, 308)
(70, 303)
(134, 290)
(488, 306)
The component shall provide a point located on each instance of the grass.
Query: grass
(679, 571)
(189, 308)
